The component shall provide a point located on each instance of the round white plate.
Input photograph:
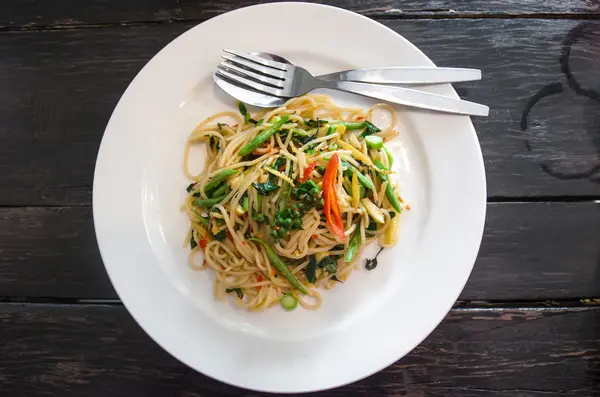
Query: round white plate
(370, 321)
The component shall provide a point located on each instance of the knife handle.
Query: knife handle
(408, 97)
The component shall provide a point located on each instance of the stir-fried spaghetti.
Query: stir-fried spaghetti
(289, 198)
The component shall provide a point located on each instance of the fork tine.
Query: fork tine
(261, 61)
(247, 83)
(275, 83)
(266, 71)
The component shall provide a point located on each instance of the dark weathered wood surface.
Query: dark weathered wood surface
(555, 151)
(100, 351)
(64, 65)
(27, 14)
(530, 251)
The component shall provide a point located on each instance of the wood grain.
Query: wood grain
(27, 14)
(100, 351)
(52, 127)
(530, 251)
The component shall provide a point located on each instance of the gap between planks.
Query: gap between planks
(392, 14)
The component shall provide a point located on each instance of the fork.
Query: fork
(288, 81)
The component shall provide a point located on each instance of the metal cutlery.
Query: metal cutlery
(283, 80)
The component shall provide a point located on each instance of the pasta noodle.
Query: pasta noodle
(288, 199)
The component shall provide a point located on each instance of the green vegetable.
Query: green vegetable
(320, 169)
(328, 264)
(315, 123)
(392, 214)
(238, 291)
(216, 180)
(214, 143)
(259, 122)
(366, 182)
(258, 203)
(208, 202)
(280, 162)
(258, 217)
(201, 219)
(190, 187)
(389, 190)
(311, 269)
(333, 146)
(374, 142)
(350, 126)
(389, 155)
(245, 204)
(193, 243)
(331, 129)
(370, 129)
(244, 112)
(265, 188)
(288, 302)
(280, 266)
(262, 137)
(220, 191)
(215, 231)
(353, 246)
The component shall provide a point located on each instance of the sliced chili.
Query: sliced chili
(331, 208)
(308, 171)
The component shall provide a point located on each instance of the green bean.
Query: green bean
(374, 142)
(350, 126)
(201, 219)
(262, 137)
(280, 266)
(208, 202)
(389, 190)
(353, 246)
(366, 182)
(220, 191)
(389, 155)
(215, 180)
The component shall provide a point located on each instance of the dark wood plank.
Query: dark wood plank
(68, 13)
(51, 127)
(530, 251)
(53, 350)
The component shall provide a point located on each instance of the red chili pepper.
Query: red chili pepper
(315, 236)
(308, 171)
(259, 279)
(202, 244)
(331, 208)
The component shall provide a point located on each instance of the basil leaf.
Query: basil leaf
(190, 187)
(370, 129)
(193, 243)
(311, 269)
(328, 264)
(265, 189)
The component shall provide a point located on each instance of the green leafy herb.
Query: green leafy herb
(315, 123)
(214, 143)
(320, 169)
(258, 217)
(392, 214)
(190, 187)
(370, 129)
(334, 278)
(216, 229)
(193, 243)
(311, 269)
(238, 291)
(372, 263)
(328, 264)
(279, 163)
(265, 188)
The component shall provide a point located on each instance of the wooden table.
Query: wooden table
(527, 323)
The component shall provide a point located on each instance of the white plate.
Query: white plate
(370, 321)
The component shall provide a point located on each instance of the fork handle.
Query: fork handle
(409, 97)
(406, 75)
